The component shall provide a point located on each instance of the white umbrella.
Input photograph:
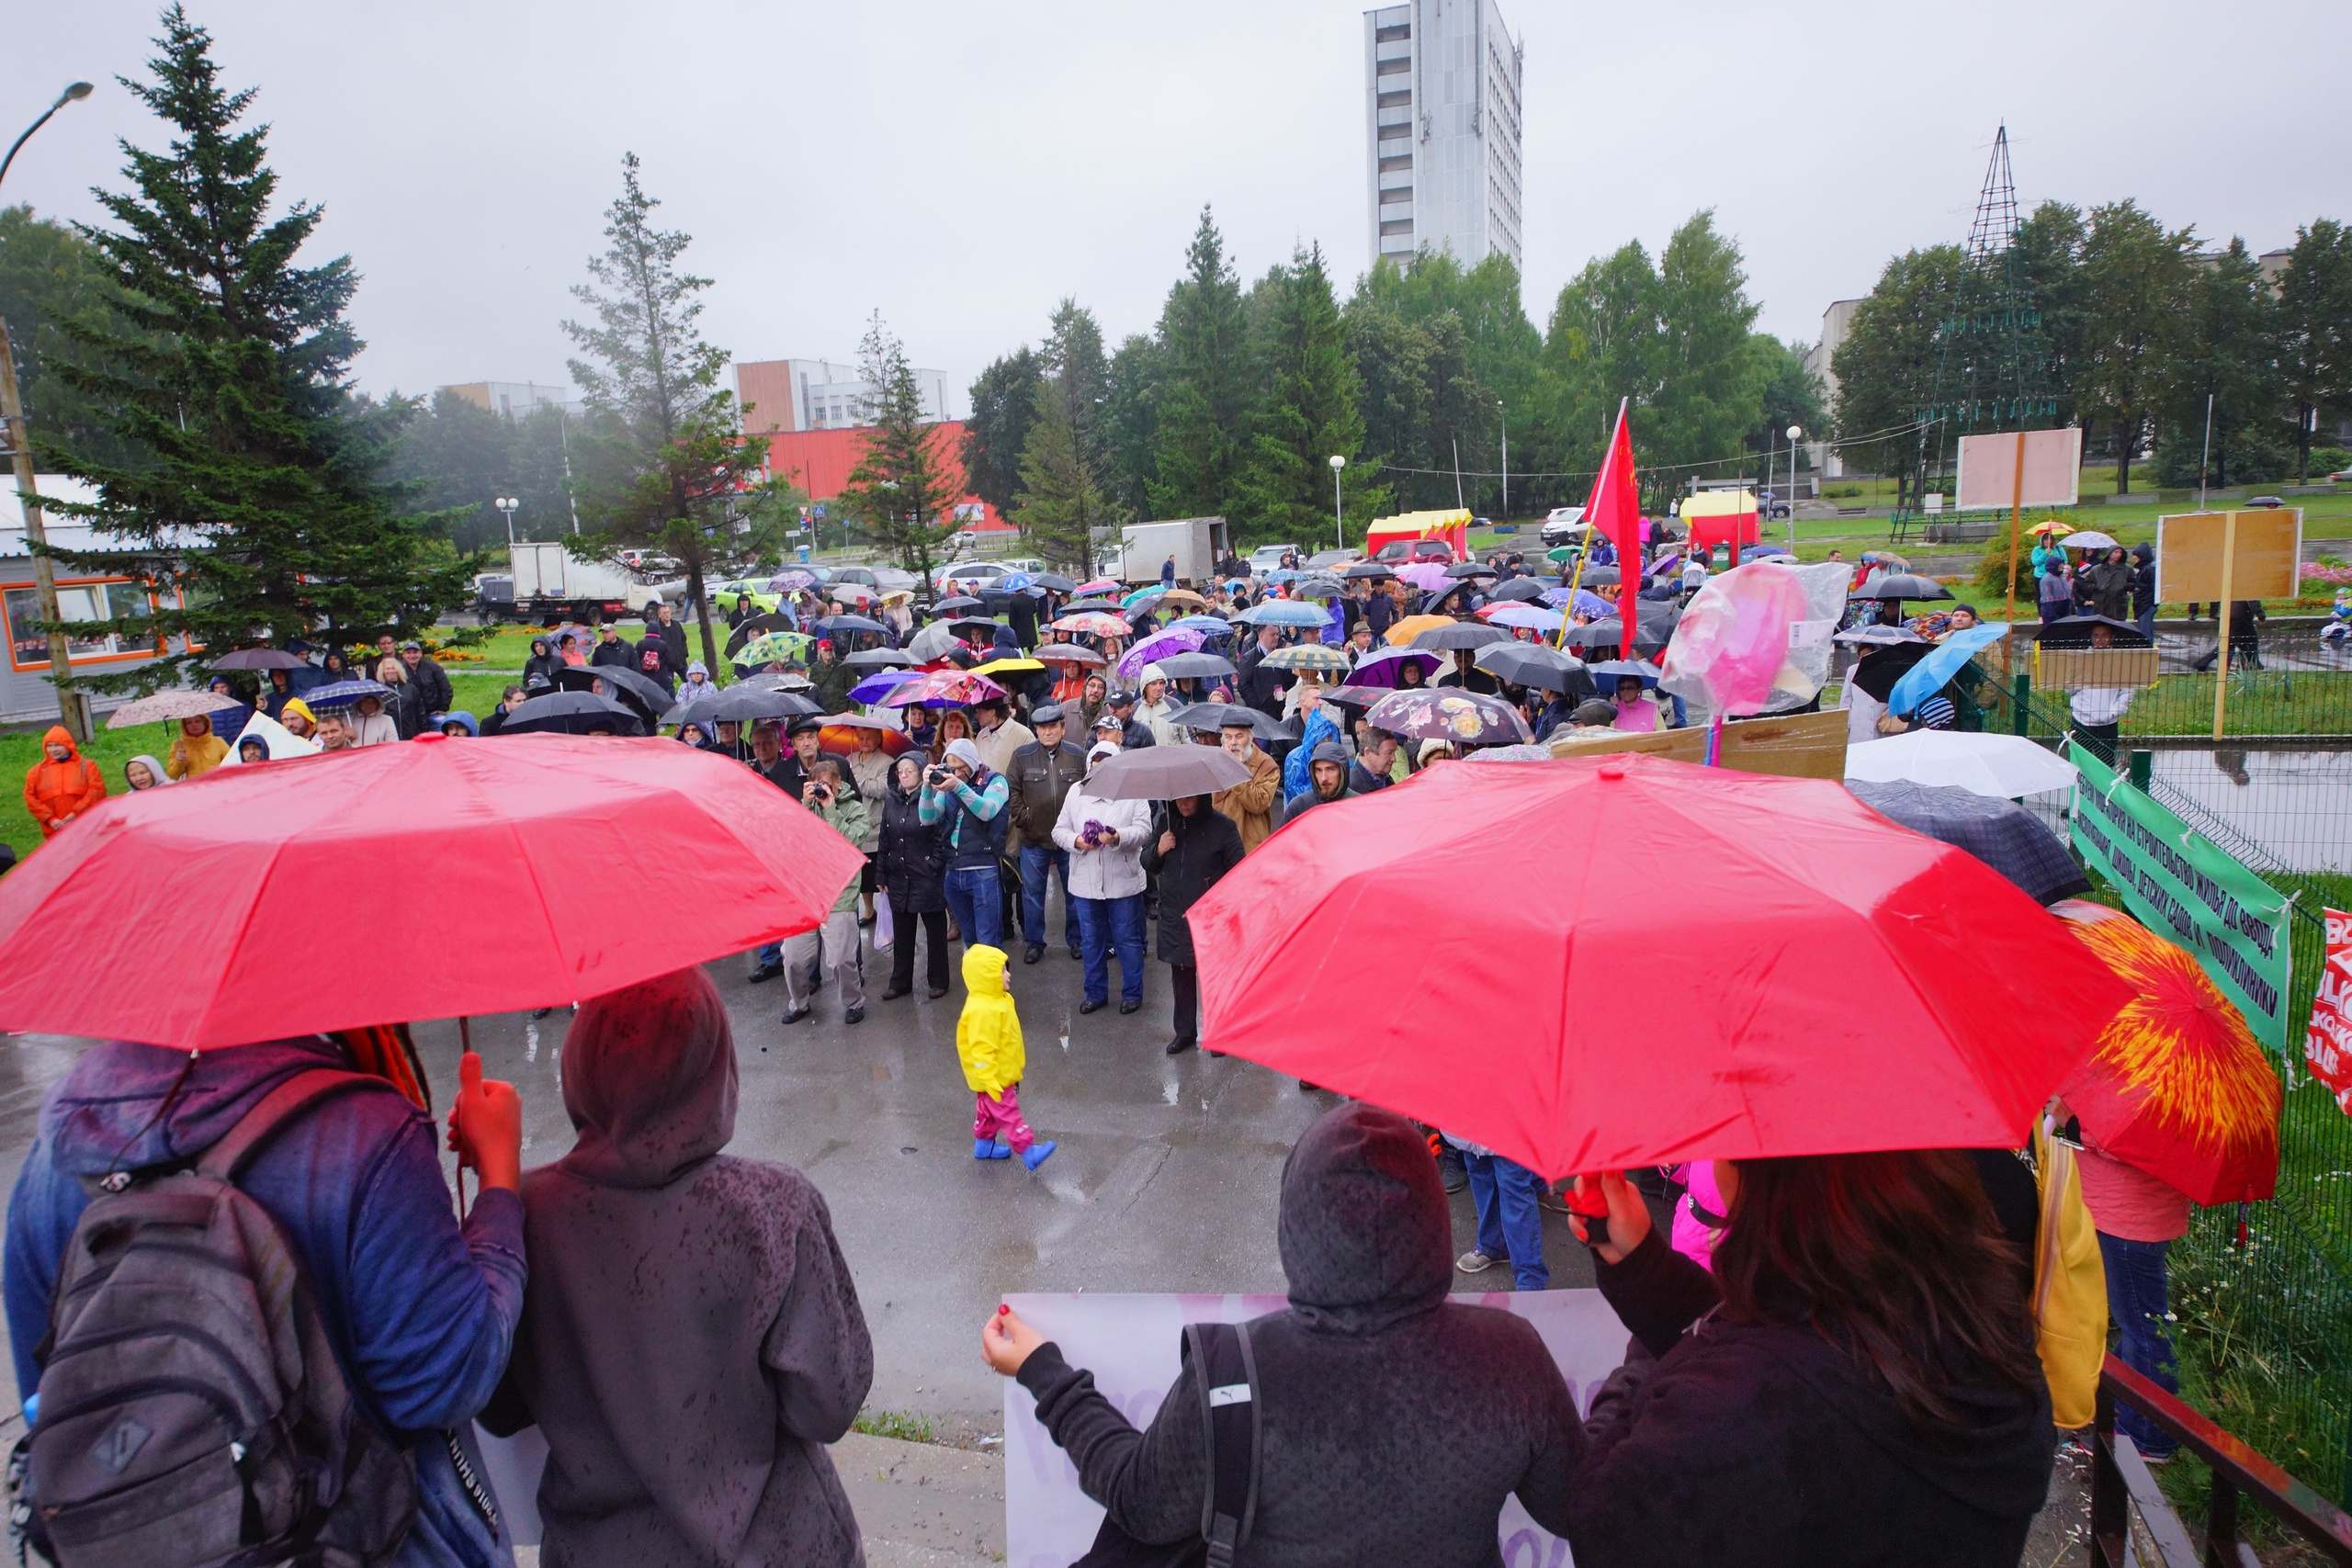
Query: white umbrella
(166, 706)
(2003, 765)
(2089, 541)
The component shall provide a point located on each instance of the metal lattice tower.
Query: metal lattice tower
(1997, 204)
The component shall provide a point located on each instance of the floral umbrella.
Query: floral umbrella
(772, 646)
(1471, 719)
(1094, 623)
(944, 688)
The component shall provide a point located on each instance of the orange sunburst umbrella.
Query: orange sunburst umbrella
(2177, 1085)
(1405, 631)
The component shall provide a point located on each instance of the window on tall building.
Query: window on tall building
(1396, 67)
(1394, 100)
(1390, 165)
(1397, 226)
(1400, 131)
(1391, 196)
(1391, 35)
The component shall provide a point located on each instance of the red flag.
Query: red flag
(1615, 510)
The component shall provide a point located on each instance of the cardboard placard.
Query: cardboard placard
(2327, 1039)
(2094, 669)
(1796, 746)
(1988, 468)
(2189, 554)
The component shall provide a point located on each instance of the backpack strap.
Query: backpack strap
(1224, 1372)
(226, 1159)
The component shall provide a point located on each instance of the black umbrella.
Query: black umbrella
(955, 602)
(2001, 833)
(1650, 636)
(833, 624)
(1903, 585)
(742, 705)
(1194, 666)
(1368, 572)
(1216, 716)
(256, 659)
(1879, 668)
(758, 625)
(1446, 713)
(1165, 773)
(965, 625)
(1466, 569)
(1593, 576)
(1356, 696)
(1531, 664)
(639, 691)
(879, 658)
(572, 713)
(1054, 581)
(1521, 588)
(2075, 631)
(1461, 635)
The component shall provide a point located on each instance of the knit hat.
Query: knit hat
(297, 705)
(1935, 713)
(1153, 672)
(963, 750)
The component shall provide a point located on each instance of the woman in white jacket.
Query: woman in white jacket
(1106, 840)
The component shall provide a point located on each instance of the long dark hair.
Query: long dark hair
(1895, 1258)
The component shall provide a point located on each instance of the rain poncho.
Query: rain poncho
(193, 756)
(54, 791)
(987, 1036)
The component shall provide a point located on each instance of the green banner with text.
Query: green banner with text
(2176, 882)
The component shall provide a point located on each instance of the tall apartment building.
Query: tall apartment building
(518, 399)
(1442, 123)
(818, 394)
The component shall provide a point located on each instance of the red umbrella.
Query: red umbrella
(1681, 963)
(210, 913)
(2177, 1085)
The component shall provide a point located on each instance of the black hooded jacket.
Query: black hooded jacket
(1764, 1445)
(1396, 1422)
(1208, 846)
(912, 853)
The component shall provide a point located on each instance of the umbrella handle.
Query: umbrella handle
(465, 1044)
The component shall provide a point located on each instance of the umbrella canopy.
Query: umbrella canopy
(1053, 583)
(2091, 539)
(1650, 636)
(1444, 713)
(639, 691)
(1904, 585)
(1528, 664)
(1149, 593)
(1382, 666)
(833, 625)
(950, 603)
(1000, 667)
(774, 647)
(1195, 667)
(280, 742)
(164, 706)
(743, 703)
(972, 627)
(1468, 568)
(1319, 586)
(1935, 671)
(2050, 528)
(1529, 618)
(2075, 631)
(758, 625)
(1983, 763)
(1208, 717)
(1183, 596)
(1454, 635)
(256, 659)
(1609, 672)
(1165, 773)
(1283, 612)
(1410, 627)
(790, 579)
(1313, 656)
(2001, 833)
(1425, 574)
(574, 713)
(495, 862)
(1877, 637)
(1100, 585)
(1207, 626)
(930, 642)
(2176, 1085)
(1762, 1050)
(944, 688)
(1368, 572)
(1094, 623)
(880, 685)
(1524, 589)
(1879, 669)
(1598, 577)
(339, 695)
(843, 731)
(1158, 646)
(1355, 696)
(1013, 581)
(1068, 653)
(849, 593)
(878, 659)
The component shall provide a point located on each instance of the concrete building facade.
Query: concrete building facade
(1836, 322)
(517, 400)
(1442, 128)
(789, 395)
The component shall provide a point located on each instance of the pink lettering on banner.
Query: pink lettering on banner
(2327, 1043)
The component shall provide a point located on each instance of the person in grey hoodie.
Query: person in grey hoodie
(1395, 1421)
(691, 1340)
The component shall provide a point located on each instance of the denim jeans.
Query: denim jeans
(772, 953)
(1036, 861)
(1510, 1224)
(2136, 1300)
(1105, 923)
(972, 899)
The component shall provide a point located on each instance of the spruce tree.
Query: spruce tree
(250, 502)
(903, 489)
(1061, 503)
(1204, 406)
(1309, 416)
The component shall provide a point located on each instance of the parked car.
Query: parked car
(1397, 551)
(972, 573)
(1563, 524)
(2341, 476)
(1321, 559)
(1267, 557)
(890, 580)
(1029, 564)
(753, 590)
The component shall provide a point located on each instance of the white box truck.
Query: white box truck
(1196, 543)
(550, 584)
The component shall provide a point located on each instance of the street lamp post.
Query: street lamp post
(20, 452)
(1794, 431)
(1339, 512)
(507, 504)
(1503, 414)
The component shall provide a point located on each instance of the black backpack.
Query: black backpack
(1224, 1380)
(192, 1411)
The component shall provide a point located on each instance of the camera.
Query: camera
(935, 776)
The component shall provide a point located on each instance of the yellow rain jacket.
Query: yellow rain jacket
(2069, 1288)
(987, 1037)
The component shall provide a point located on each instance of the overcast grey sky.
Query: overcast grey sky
(961, 166)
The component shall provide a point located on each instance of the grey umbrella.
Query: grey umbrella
(1528, 664)
(1522, 588)
(2002, 834)
(256, 659)
(572, 712)
(639, 691)
(740, 704)
(1904, 585)
(1461, 635)
(1216, 716)
(1194, 666)
(879, 658)
(1165, 773)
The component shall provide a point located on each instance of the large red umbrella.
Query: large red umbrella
(427, 879)
(2176, 1085)
(1592, 963)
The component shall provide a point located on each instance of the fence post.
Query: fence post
(2144, 769)
(2021, 700)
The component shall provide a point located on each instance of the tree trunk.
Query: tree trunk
(2127, 436)
(2303, 422)
(701, 613)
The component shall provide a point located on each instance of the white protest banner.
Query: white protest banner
(2327, 1041)
(1131, 1345)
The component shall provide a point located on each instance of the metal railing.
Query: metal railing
(2121, 1481)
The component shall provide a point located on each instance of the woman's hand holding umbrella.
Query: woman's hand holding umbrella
(486, 1126)
(1629, 1217)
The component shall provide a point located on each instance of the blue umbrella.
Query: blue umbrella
(343, 694)
(1207, 626)
(1284, 574)
(1927, 677)
(1761, 552)
(874, 688)
(1612, 671)
(1284, 613)
(1013, 581)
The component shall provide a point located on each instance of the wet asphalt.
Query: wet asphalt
(1166, 1177)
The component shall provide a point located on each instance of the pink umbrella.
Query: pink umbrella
(1100, 585)
(944, 688)
(1425, 575)
(1158, 645)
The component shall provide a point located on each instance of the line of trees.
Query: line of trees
(2126, 328)
(1235, 403)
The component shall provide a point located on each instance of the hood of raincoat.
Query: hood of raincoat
(295, 705)
(1365, 1238)
(58, 734)
(203, 719)
(988, 1035)
(2143, 554)
(1006, 643)
(124, 1107)
(459, 716)
(649, 1081)
(154, 768)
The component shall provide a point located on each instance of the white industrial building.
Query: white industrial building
(1443, 126)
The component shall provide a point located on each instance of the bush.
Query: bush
(1995, 561)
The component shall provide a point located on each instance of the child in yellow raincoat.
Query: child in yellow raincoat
(987, 1040)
